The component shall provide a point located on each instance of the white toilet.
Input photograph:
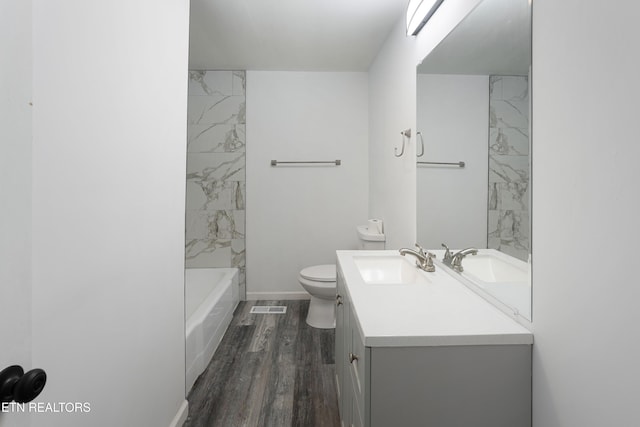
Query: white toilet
(320, 281)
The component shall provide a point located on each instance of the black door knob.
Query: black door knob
(29, 386)
(21, 387)
(8, 379)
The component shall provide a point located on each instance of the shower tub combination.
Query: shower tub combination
(211, 296)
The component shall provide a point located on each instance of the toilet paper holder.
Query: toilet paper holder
(16, 385)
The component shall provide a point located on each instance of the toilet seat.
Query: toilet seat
(319, 273)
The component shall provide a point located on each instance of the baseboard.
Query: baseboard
(255, 296)
(181, 416)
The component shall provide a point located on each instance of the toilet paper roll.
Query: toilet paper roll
(375, 225)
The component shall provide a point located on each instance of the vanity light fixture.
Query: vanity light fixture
(418, 13)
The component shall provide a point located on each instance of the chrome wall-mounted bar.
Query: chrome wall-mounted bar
(328, 162)
(459, 164)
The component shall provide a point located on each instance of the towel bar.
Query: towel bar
(459, 164)
(333, 162)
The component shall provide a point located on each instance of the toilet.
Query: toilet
(320, 280)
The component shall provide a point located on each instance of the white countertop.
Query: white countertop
(441, 313)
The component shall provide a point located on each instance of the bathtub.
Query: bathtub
(211, 296)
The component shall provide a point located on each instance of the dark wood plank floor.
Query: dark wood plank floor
(269, 370)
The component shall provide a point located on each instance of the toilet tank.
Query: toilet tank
(369, 239)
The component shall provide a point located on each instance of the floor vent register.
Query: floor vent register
(268, 309)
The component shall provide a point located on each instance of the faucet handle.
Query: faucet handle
(420, 250)
(447, 254)
(428, 262)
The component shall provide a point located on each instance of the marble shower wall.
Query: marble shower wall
(508, 219)
(215, 217)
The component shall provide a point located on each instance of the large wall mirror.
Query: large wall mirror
(473, 119)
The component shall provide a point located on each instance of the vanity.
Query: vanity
(422, 349)
(451, 348)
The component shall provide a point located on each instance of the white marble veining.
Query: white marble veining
(438, 312)
(508, 196)
(220, 224)
(206, 167)
(215, 217)
(509, 232)
(508, 141)
(509, 101)
(508, 169)
(210, 195)
(215, 181)
(509, 165)
(508, 113)
(208, 252)
(208, 83)
(238, 253)
(239, 83)
(216, 137)
(216, 109)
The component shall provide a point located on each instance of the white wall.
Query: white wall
(392, 109)
(585, 213)
(453, 116)
(297, 216)
(15, 191)
(109, 129)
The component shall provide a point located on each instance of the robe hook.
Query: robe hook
(405, 134)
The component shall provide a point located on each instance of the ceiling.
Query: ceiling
(296, 35)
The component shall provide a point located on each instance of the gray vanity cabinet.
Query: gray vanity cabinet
(351, 362)
(340, 344)
(439, 386)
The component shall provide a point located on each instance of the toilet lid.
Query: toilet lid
(320, 273)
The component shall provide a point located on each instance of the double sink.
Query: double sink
(492, 272)
(488, 266)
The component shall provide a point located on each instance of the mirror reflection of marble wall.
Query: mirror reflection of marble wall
(508, 216)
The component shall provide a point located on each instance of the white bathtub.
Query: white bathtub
(211, 296)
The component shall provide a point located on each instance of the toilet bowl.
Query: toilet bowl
(320, 282)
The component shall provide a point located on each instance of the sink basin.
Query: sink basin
(497, 276)
(389, 270)
(490, 268)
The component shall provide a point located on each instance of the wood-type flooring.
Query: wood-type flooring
(270, 370)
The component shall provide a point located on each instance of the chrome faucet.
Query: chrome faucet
(447, 255)
(424, 261)
(455, 260)
(459, 256)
